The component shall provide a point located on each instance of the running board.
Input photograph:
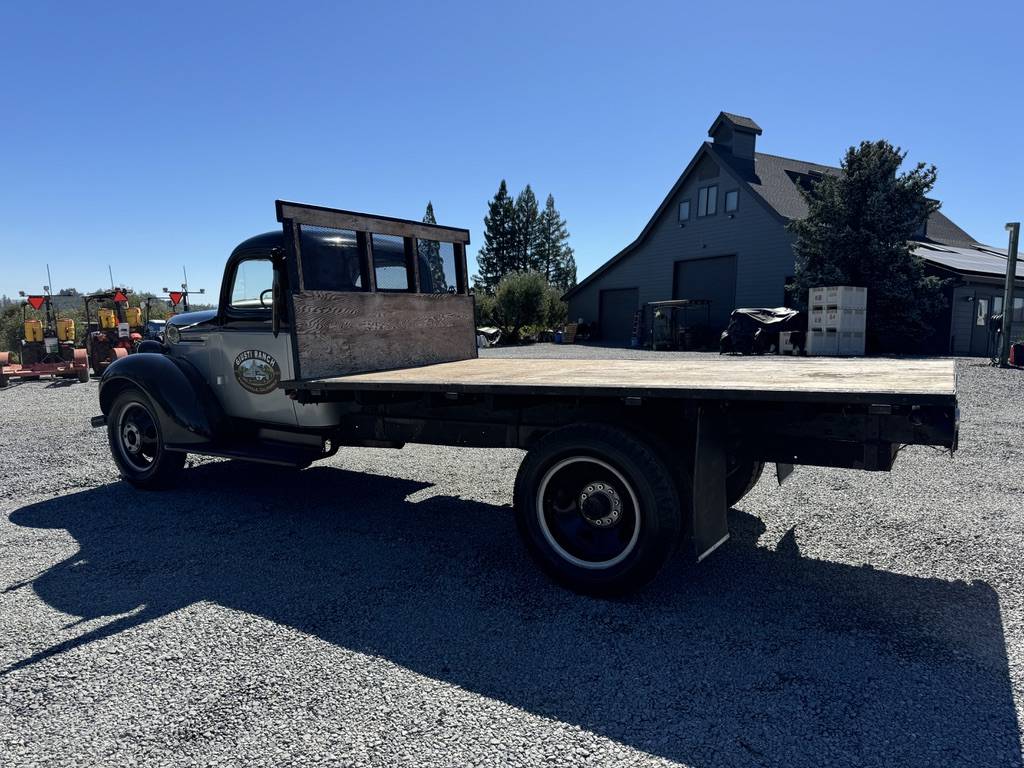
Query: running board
(260, 453)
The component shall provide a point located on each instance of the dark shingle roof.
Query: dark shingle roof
(737, 120)
(942, 230)
(776, 180)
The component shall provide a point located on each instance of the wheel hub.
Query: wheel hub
(600, 505)
(131, 437)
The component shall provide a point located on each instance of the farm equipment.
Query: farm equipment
(180, 298)
(47, 347)
(154, 327)
(116, 330)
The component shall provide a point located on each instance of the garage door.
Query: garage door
(713, 279)
(616, 314)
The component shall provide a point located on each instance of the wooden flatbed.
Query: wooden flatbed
(862, 380)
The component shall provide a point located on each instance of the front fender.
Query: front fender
(188, 411)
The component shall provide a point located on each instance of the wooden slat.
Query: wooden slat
(319, 216)
(339, 333)
(769, 378)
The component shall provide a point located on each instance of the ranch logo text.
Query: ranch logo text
(257, 371)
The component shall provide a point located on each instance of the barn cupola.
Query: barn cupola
(737, 135)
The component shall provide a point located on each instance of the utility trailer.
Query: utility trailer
(350, 329)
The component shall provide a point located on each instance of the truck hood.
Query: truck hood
(188, 319)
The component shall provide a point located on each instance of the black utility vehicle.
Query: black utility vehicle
(349, 329)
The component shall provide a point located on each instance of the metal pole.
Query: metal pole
(1011, 275)
(51, 315)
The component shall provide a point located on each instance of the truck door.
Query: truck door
(248, 361)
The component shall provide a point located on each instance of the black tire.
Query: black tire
(741, 477)
(137, 443)
(598, 509)
(83, 376)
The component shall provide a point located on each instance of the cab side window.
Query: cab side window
(253, 278)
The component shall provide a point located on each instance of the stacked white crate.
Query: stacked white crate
(836, 320)
(786, 345)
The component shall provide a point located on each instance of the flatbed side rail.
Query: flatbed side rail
(823, 433)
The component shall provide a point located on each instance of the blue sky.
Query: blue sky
(151, 135)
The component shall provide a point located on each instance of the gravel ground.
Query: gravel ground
(377, 609)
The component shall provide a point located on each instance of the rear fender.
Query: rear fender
(188, 411)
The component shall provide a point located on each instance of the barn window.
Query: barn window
(707, 200)
(732, 200)
(684, 211)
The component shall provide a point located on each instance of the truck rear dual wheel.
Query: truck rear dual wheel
(598, 509)
(137, 443)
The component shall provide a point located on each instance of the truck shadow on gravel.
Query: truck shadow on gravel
(757, 657)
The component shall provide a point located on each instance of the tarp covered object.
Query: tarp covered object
(755, 330)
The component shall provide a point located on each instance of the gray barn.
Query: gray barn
(720, 234)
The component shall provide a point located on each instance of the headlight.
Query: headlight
(171, 334)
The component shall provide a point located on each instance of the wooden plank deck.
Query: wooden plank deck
(861, 380)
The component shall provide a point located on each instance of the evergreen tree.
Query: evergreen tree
(430, 252)
(553, 257)
(857, 232)
(496, 256)
(526, 231)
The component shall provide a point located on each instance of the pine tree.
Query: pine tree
(497, 255)
(430, 252)
(526, 231)
(553, 257)
(857, 232)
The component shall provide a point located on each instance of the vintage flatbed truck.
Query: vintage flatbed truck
(350, 329)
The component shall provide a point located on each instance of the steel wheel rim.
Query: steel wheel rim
(137, 437)
(570, 521)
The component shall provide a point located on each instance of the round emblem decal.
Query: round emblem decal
(257, 371)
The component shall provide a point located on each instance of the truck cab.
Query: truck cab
(214, 381)
(245, 348)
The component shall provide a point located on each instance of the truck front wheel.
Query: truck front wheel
(597, 508)
(137, 444)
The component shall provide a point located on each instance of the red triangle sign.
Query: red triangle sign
(36, 301)
(175, 297)
(120, 297)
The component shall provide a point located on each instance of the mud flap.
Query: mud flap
(710, 526)
(782, 471)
